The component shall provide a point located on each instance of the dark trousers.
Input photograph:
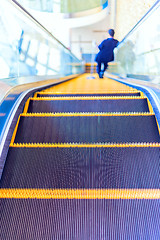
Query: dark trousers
(99, 67)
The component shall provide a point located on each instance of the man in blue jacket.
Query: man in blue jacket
(106, 54)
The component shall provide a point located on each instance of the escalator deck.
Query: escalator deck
(83, 163)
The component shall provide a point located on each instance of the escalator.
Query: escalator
(83, 163)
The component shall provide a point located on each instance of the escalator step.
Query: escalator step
(90, 129)
(89, 95)
(79, 219)
(111, 105)
(78, 168)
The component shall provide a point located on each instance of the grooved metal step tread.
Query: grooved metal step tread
(79, 219)
(117, 129)
(111, 105)
(82, 168)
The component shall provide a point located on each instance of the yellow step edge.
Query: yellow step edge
(150, 106)
(80, 193)
(71, 93)
(25, 110)
(82, 84)
(158, 126)
(86, 98)
(84, 114)
(152, 112)
(84, 145)
(15, 130)
(35, 94)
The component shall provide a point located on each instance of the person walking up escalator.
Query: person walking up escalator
(106, 54)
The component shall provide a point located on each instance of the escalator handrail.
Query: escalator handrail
(141, 20)
(42, 27)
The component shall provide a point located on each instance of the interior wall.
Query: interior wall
(122, 16)
(83, 39)
(128, 13)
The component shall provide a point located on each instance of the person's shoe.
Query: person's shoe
(101, 75)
